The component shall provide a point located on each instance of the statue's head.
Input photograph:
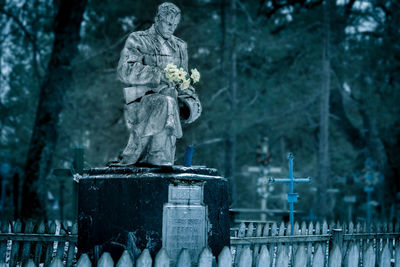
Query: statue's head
(167, 19)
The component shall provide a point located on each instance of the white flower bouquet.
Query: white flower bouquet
(179, 77)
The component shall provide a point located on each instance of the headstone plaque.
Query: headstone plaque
(185, 220)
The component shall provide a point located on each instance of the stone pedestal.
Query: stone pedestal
(135, 208)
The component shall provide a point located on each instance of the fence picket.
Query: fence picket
(184, 259)
(319, 257)
(30, 263)
(325, 248)
(296, 231)
(26, 247)
(282, 259)
(56, 262)
(50, 249)
(369, 256)
(15, 244)
(126, 260)
(385, 255)
(205, 258)
(144, 259)
(39, 246)
(352, 256)
(300, 259)
(61, 244)
(266, 230)
(105, 260)
(309, 245)
(335, 257)
(256, 250)
(162, 259)
(250, 230)
(397, 254)
(245, 259)
(241, 233)
(225, 258)
(264, 260)
(72, 246)
(84, 261)
(4, 228)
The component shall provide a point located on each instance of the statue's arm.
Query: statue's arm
(185, 57)
(190, 91)
(131, 68)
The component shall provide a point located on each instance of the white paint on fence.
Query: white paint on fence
(283, 256)
(319, 258)
(225, 258)
(126, 259)
(246, 258)
(352, 256)
(301, 257)
(30, 263)
(397, 254)
(369, 256)
(84, 261)
(335, 258)
(385, 257)
(184, 259)
(205, 259)
(56, 262)
(105, 260)
(162, 259)
(264, 259)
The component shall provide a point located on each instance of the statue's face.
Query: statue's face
(166, 25)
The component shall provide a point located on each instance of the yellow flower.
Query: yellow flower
(181, 75)
(185, 84)
(170, 68)
(195, 75)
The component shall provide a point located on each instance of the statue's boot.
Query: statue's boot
(133, 149)
(161, 149)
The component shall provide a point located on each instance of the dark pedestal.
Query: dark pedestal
(122, 208)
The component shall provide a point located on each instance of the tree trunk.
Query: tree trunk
(56, 82)
(323, 152)
(230, 151)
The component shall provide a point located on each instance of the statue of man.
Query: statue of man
(154, 106)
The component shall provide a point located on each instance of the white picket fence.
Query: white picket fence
(252, 244)
(317, 245)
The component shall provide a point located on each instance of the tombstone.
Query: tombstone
(133, 208)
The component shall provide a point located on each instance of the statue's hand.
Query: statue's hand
(189, 92)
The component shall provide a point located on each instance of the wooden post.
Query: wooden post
(336, 244)
(78, 165)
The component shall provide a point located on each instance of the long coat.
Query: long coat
(151, 106)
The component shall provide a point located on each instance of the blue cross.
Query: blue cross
(292, 197)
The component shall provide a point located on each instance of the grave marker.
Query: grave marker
(292, 197)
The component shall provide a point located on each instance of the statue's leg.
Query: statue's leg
(136, 144)
(161, 149)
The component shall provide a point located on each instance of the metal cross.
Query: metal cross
(292, 197)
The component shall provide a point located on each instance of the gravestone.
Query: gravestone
(185, 220)
(135, 208)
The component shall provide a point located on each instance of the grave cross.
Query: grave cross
(292, 197)
(77, 168)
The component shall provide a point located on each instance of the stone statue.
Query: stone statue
(155, 106)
